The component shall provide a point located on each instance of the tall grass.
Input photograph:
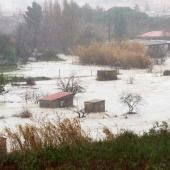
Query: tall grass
(65, 146)
(34, 138)
(121, 54)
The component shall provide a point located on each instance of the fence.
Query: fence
(60, 73)
(76, 73)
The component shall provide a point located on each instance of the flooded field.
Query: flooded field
(153, 87)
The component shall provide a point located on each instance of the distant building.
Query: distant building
(57, 100)
(157, 43)
(106, 75)
(155, 35)
(94, 106)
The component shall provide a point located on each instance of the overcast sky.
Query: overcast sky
(14, 5)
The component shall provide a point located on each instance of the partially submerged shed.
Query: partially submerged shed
(94, 106)
(166, 73)
(106, 75)
(57, 100)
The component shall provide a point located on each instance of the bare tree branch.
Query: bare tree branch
(71, 84)
(131, 100)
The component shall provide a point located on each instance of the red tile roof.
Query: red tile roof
(155, 34)
(56, 96)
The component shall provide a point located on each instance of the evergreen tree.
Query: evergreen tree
(33, 19)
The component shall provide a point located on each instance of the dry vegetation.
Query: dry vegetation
(72, 84)
(33, 138)
(122, 54)
(66, 146)
(24, 114)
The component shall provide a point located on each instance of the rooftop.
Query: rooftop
(94, 101)
(155, 42)
(56, 96)
(153, 34)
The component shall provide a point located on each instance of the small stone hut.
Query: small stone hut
(166, 73)
(94, 106)
(106, 75)
(57, 100)
(3, 145)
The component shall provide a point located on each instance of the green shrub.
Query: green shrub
(3, 82)
(124, 151)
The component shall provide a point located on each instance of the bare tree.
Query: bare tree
(24, 114)
(132, 101)
(30, 81)
(81, 113)
(72, 84)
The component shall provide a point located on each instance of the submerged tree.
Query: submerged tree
(72, 84)
(81, 113)
(132, 101)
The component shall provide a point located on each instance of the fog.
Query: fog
(15, 5)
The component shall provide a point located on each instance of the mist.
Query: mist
(158, 5)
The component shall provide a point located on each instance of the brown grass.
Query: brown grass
(24, 114)
(109, 135)
(122, 54)
(49, 134)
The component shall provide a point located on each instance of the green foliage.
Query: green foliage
(125, 21)
(124, 151)
(33, 19)
(3, 82)
(33, 15)
(10, 53)
(7, 68)
(7, 50)
(63, 26)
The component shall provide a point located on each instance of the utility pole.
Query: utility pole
(109, 31)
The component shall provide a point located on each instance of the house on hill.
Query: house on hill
(57, 100)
